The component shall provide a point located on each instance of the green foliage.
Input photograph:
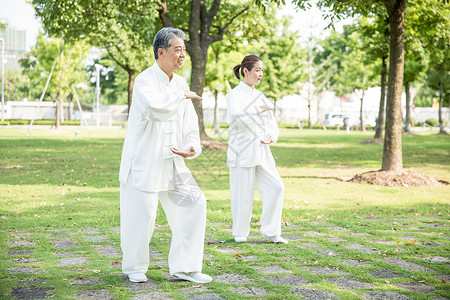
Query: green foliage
(124, 28)
(351, 69)
(113, 80)
(3, 25)
(247, 30)
(69, 69)
(432, 122)
(41, 122)
(283, 59)
(17, 86)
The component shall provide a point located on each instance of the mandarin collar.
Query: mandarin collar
(161, 74)
(246, 87)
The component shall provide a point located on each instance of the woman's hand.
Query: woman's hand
(265, 108)
(188, 153)
(267, 141)
(192, 95)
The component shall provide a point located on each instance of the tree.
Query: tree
(124, 28)
(354, 72)
(228, 52)
(415, 65)
(283, 58)
(429, 21)
(17, 86)
(219, 72)
(206, 22)
(69, 69)
(113, 80)
(376, 44)
(396, 9)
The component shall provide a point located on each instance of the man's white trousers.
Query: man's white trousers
(185, 209)
(242, 189)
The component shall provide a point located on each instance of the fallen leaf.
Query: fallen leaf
(411, 243)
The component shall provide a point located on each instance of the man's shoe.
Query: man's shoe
(194, 277)
(137, 277)
(276, 239)
(240, 239)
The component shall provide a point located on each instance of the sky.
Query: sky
(20, 14)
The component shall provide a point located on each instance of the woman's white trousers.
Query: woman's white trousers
(185, 209)
(242, 189)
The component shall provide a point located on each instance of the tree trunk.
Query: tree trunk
(392, 152)
(131, 78)
(408, 107)
(380, 121)
(198, 56)
(361, 108)
(361, 114)
(441, 99)
(216, 112)
(309, 115)
(58, 111)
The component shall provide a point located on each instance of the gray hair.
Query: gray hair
(164, 37)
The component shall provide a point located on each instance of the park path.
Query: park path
(387, 276)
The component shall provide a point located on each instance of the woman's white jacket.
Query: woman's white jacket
(248, 126)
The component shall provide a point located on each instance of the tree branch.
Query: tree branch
(219, 35)
(123, 66)
(163, 14)
(213, 11)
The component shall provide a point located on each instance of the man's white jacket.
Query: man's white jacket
(160, 118)
(248, 126)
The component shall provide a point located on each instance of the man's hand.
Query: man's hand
(192, 95)
(268, 141)
(185, 154)
(265, 108)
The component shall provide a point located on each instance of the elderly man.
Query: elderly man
(162, 131)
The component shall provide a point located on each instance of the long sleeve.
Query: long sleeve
(241, 115)
(273, 131)
(191, 135)
(158, 105)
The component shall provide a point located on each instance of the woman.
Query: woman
(252, 127)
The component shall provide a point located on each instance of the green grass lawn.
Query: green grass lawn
(63, 181)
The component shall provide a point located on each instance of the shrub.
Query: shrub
(432, 122)
(71, 122)
(19, 122)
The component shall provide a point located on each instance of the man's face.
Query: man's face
(173, 58)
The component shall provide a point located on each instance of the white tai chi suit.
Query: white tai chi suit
(251, 162)
(160, 118)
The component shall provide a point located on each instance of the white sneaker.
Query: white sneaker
(276, 239)
(240, 239)
(137, 277)
(194, 277)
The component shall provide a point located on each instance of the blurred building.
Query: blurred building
(15, 46)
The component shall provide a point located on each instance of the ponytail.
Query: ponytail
(236, 71)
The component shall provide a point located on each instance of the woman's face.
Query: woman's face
(254, 76)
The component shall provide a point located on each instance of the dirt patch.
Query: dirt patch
(213, 145)
(372, 142)
(402, 178)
